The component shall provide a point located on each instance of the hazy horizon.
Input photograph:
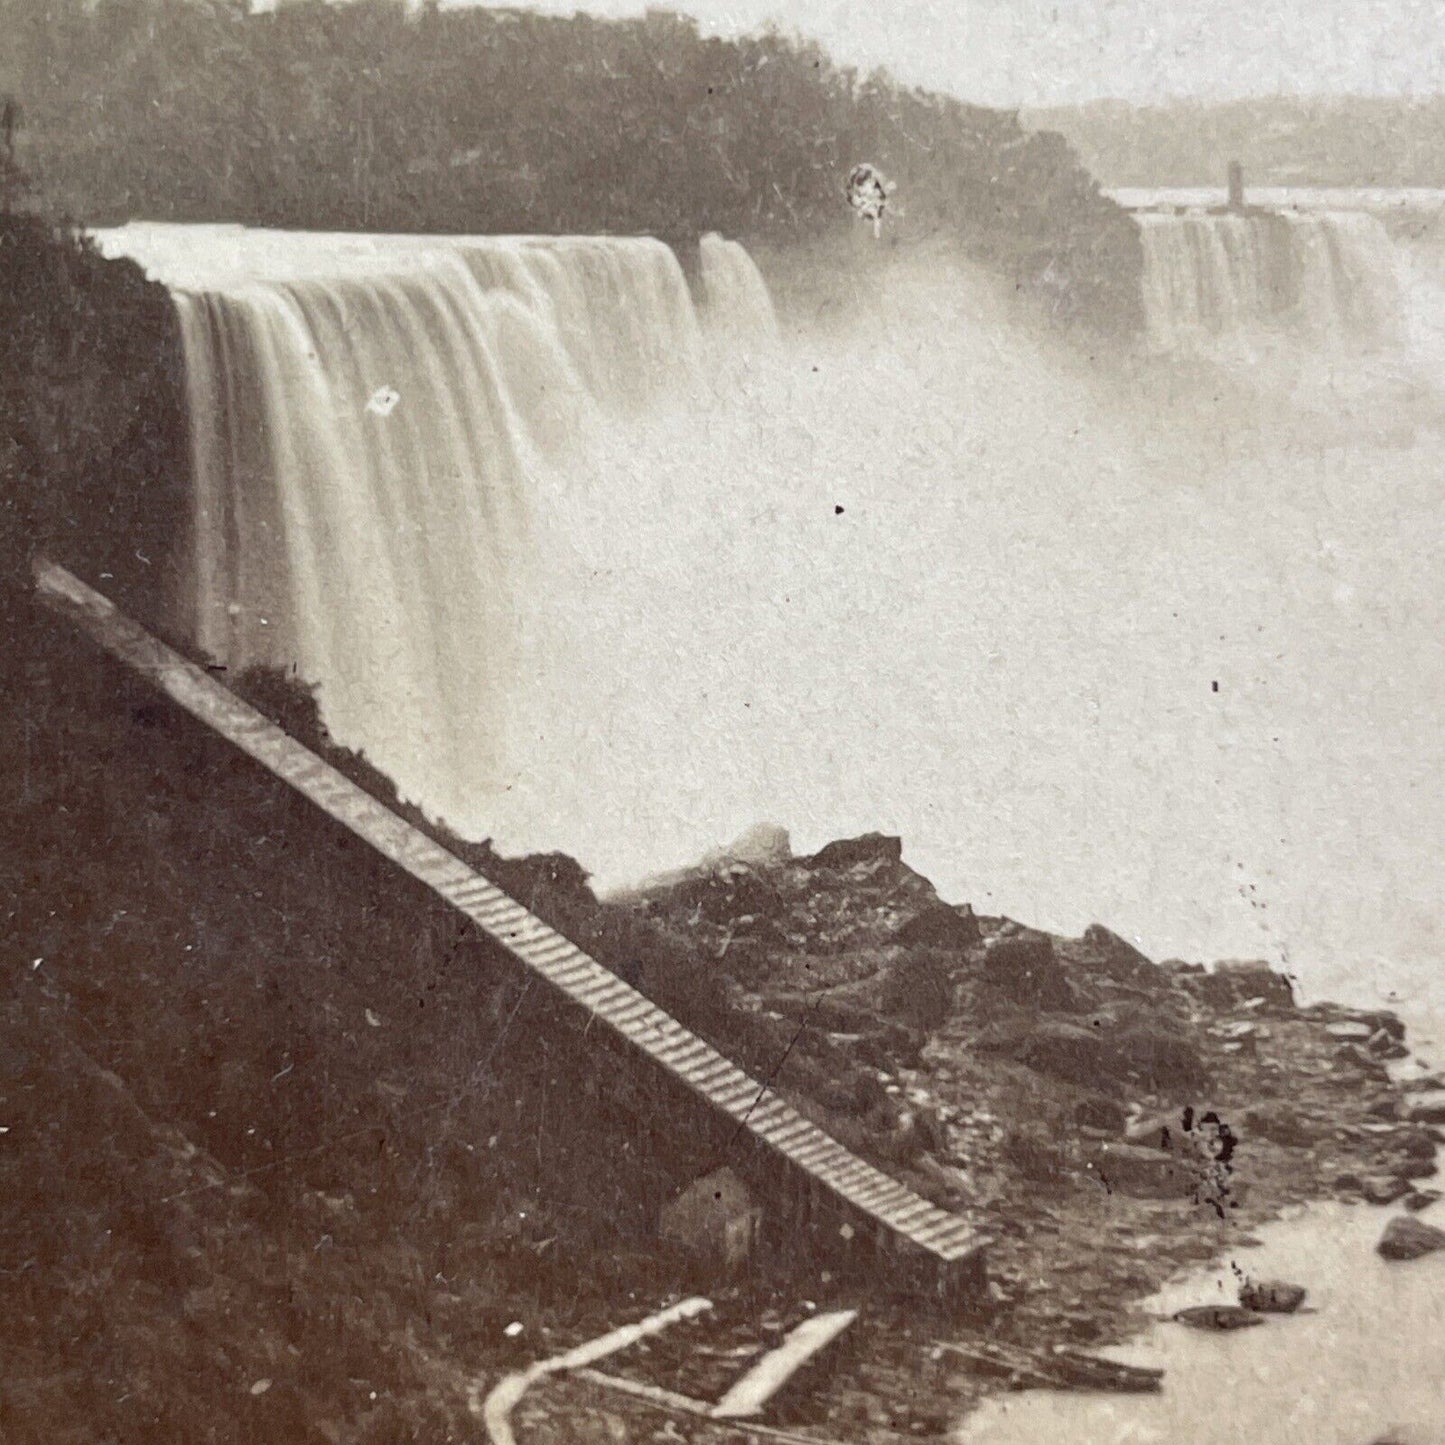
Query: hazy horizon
(1032, 54)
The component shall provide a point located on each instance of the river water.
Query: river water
(1362, 1366)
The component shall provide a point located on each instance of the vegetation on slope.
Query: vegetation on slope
(371, 116)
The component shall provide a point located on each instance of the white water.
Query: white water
(586, 584)
(371, 417)
(1329, 277)
(734, 293)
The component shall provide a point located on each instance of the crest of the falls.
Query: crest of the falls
(1221, 278)
(370, 419)
(734, 293)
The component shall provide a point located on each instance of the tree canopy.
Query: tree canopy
(378, 116)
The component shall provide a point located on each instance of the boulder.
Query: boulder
(1067, 1051)
(1280, 1124)
(1416, 1167)
(1383, 1019)
(1384, 1188)
(1236, 981)
(890, 1048)
(1164, 1061)
(1416, 1143)
(1118, 953)
(1218, 1317)
(1349, 1031)
(1385, 1045)
(1143, 1173)
(918, 990)
(1406, 1238)
(1243, 1031)
(714, 1218)
(915, 1132)
(1022, 966)
(1098, 1111)
(854, 1093)
(940, 927)
(1034, 1152)
(1352, 1056)
(1143, 1052)
(1271, 1296)
(1154, 1131)
(1419, 1199)
(867, 848)
(1426, 1108)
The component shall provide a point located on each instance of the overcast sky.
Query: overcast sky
(1038, 52)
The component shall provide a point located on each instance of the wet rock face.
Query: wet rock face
(1406, 1238)
(94, 462)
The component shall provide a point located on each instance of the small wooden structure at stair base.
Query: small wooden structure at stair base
(750, 1393)
(920, 1242)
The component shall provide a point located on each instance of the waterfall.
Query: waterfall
(371, 418)
(734, 293)
(1326, 277)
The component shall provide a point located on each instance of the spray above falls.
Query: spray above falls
(370, 421)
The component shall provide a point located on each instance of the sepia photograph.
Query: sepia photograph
(721, 723)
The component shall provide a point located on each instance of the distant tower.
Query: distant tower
(1236, 186)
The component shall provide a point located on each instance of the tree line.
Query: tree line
(1319, 140)
(375, 115)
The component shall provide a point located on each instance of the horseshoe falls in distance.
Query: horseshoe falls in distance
(371, 420)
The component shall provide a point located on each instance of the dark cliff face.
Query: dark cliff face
(92, 411)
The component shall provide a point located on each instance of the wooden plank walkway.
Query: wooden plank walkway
(902, 1217)
(748, 1395)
